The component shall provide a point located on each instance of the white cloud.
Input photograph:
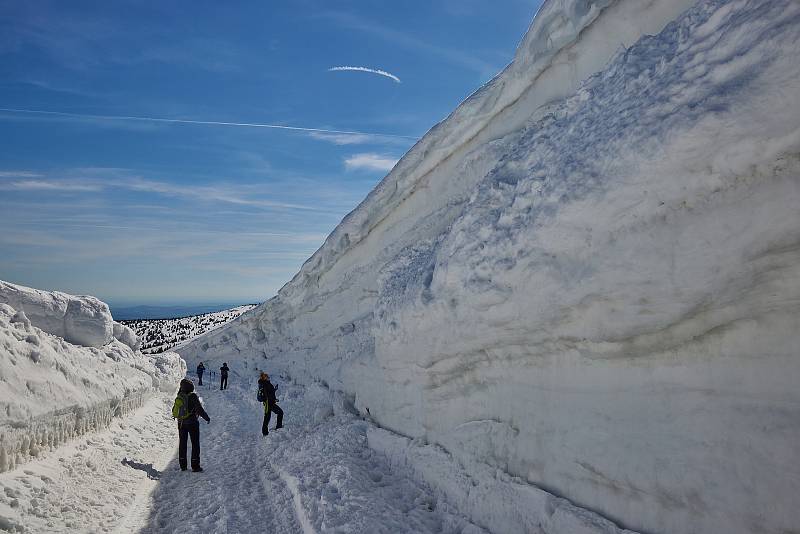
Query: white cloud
(219, 193)
(379, 72)
(19, 174)
(50, 185)
(369, 161)
(343, 139)
(359, 139)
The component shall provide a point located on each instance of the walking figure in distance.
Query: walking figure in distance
(200, 370)
(266, 392)
(223, 376)
(186, 409)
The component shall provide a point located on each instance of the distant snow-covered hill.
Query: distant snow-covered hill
(159, 335)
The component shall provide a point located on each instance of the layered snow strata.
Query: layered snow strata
(51, 390)
(81, 320)
(488, 497)
(598, 288)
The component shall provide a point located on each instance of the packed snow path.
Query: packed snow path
(237, 490)
(315, 475)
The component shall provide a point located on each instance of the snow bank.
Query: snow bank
(52, 391)
(81, 320)
(588, 276)
(489, 497)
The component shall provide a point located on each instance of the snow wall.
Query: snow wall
(588, 275)
(52, 390)
(81, 320)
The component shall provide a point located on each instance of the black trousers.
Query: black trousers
(223, 383)
(265, 425)
(189, 429)
(200, 377)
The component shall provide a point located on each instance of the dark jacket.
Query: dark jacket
(224, 370)
(268, 389)
(194, 406)
(200, 369)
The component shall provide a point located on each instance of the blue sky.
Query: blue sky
(137, 211)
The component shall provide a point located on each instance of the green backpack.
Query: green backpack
(180, 410)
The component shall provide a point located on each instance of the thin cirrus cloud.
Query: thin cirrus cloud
(49, 185)
(379, 72)
(370, 161)
(357, 139)
(164, 120)
(205, 193)
(19, 174)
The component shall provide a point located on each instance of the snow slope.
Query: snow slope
(587, 277)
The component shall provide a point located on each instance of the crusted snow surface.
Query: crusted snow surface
(81, 320)
(588, 276)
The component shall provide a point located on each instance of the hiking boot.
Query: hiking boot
(197, 469)
(279, 426)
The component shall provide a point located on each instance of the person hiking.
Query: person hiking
(223, 376)
(200, 370)
(186, 409)
(267, 393)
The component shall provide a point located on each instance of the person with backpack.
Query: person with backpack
(223, 376)
(186, 409)
(266, 394)
(200, 370)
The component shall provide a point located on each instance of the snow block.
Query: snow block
(81, 320)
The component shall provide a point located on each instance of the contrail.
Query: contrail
(188, 121)
(379, 72)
